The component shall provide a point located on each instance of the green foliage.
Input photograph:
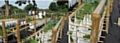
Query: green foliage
(1, 17)
(30, 7)
(51, 24)
(86, 36)
(62, 4)
(89, 29)
(70, 32)
(87, 9)
(16, 16)
(29, 40)
(71, 38)
(63, 10)
(1, 33)
(53, 6)
(91, 1)
(11, 7)
(49, 40)
(7, 29)
(30, 18)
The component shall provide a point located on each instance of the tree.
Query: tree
(7, 8)
(20, 2)
(30, 7)
(62, 4)
(53, 6)
(11, 8)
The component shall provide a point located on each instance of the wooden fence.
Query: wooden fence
(98, 22)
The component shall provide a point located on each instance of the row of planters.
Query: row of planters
(8, 28)
(86, 36)
(16, 16)
(88, 8)
(51, 24)
(45, 30)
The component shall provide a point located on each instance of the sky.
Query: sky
(42, 4)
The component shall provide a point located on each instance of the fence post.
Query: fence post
(45, 20)
(26, 19)
(4, 32)
(79, 2)
(34, 23)
(111, 5)
(54, 36)
(61, 28)
(95, 28)
(18, 33)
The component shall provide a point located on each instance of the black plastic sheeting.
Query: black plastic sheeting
(114, 30)
(64, 38)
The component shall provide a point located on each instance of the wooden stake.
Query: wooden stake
(34, 23)
(45, 20)
(18, 33)
(54, 32)
(19, 21)
(62, 26)
(95, 28)
(79, 2)
(26, 19)
(4, 32)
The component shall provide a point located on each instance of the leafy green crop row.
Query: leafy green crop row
(87, 9)
(51, 24)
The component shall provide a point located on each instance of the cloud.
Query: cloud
(42, 4)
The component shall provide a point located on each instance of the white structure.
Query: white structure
(78, 31)
(33, 12)
(44, 13)
(40, 15)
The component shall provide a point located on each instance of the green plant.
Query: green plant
(70, 32)
(86, 36)
(49, 40)
(1, 33)
(30, 18)
(29, 40)
(51, 24)
(89, 29)
(1, 17)
(71, 38)
(8, 29)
